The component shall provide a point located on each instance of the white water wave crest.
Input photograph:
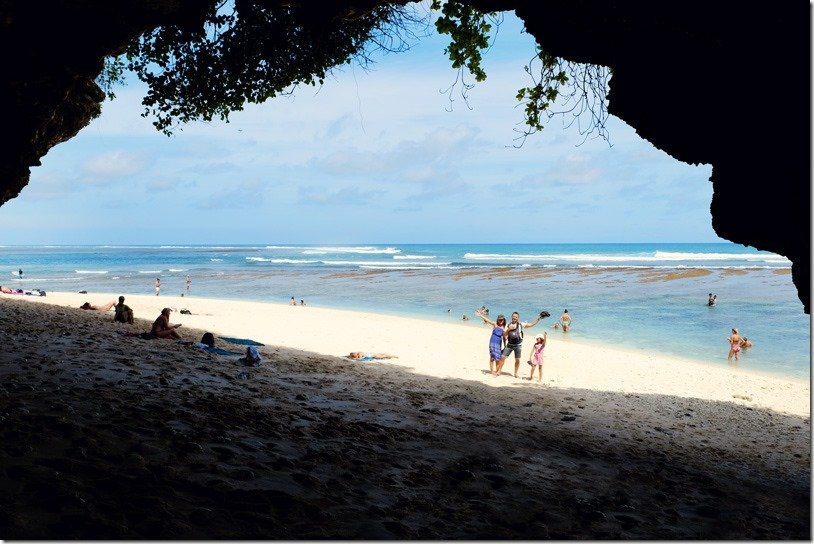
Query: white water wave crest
(281, 261)
(765, 257)
(367, 250)
(391, 264)
(658, 256)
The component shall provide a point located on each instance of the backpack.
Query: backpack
(516, 336)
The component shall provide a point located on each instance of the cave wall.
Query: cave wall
(720, 83)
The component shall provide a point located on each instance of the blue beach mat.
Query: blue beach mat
(241, 341)
(219, 351)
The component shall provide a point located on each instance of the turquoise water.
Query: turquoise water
(649, 297)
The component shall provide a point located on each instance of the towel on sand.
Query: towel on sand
(241, 341)
(220, 351)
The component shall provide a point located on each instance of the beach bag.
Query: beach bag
(516, 336)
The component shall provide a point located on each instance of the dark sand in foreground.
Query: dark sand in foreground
(112, 437)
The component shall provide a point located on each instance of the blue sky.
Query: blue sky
(371, 157)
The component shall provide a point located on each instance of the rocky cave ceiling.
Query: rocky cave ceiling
(720, 83)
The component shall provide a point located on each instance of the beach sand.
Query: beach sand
(109, 436)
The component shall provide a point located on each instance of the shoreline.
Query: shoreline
(610, 304)
(459, 350)
(112, 437)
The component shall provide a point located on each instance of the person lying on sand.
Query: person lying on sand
(162, 327)
(187, 312)
(363, 356)
(103, 307)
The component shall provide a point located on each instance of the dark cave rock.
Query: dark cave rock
(720, 83)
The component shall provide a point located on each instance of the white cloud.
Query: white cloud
(576, 170)
(442, 145)
(108, 167)
(346, 196)
(241, 195)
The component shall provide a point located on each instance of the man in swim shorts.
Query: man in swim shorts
(565, 320)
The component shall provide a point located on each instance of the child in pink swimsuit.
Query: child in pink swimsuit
(536, 360)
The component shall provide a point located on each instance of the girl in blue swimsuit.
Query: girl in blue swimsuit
(496, 340)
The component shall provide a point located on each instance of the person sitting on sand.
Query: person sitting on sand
(746, 343)
(103, 307)
(162, 327)
(124, 314)
(734, 345)
(362, 356)
(464, 317)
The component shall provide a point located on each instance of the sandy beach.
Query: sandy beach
(110, 436)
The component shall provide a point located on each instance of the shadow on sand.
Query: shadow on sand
(150, 442)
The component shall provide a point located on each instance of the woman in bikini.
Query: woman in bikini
(734, 345)
(364, 356)
(162, 328)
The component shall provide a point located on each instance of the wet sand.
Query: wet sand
(108, 436)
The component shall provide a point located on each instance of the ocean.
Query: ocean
(649, 297)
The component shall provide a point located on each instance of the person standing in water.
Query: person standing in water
(157, 286)
(189, 282)
(565, 320)
(734, 340)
